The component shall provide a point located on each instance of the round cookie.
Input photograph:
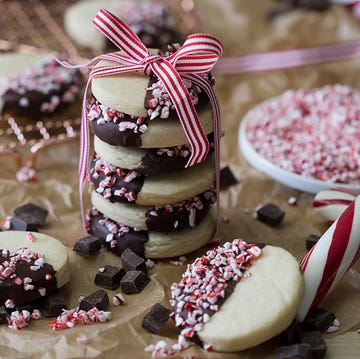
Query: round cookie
(23, 250)
(119, 185)
(146, 161)
(39, 90)
(169, 218)
(149, 244)
(12, 63)
(151, 21)
(244, 296)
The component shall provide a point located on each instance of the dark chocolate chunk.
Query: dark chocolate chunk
(316, 342)
(31, 214)
(270, 214)
(311, 240)
(131, 261)
(87, 245)
(227, 178)
(109, 277)
(295, 351)
(134, 281)
(54, 305)
(3, 315)
(155, 319)
(98, 299)
(291, 335)
(18, 224)
(319, 320)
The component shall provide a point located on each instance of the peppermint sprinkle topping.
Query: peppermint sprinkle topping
(207, 282)
(314, 133)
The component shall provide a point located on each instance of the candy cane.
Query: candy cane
(330, 203)
(330, 258)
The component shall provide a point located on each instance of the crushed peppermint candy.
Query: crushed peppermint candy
(20, 319)
(314, 133)
(163, 349)
(207, 282)
(70, 318)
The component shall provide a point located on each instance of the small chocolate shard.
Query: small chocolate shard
(18, 224)
(134, 281)
(270, 214)
(311, 240)
(87, 245)
(3, 315)
(227, 178)
(291, 335)
(131, 261)
(295, 351)
(319, 320)
(98, 299)
(54, 305)
(316, 342)
(31, 214)
(109, 277)
(155, 319)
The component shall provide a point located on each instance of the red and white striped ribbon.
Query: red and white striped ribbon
(330, 203)
(197, 56)
(330, 258)
(285, 59)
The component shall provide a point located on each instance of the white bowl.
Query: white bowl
(293, 180)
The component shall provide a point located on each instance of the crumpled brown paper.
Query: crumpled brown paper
(242, 27)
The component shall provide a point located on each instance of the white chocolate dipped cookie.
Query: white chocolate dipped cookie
(169, 218)
(119, 185)
(36, 256)
(150, 244)
(245, 296)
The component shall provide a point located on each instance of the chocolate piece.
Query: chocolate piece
(116, 236)
(295, 351)
(227, 178)
(319, 320)
(109, 277)
(3, 315)
(270, 214)
(311, 240)
(54, 305)
(134, 281)
(316, 342)
(31, 214)
(18, 224)
(131, 261)
(87, 245)
(98, 299)
(155, 319)
(291, 335)
(20, 308)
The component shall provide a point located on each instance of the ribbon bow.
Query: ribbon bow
(191, 62)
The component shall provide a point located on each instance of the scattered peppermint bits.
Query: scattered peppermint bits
(30, 237)
(163, 349)
(20, 319)
(204, 284)
(26, 174)
(314, 133)
(83, 339)
(70, 318)
(118, 299)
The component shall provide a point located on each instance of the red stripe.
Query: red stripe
(326, 202)
(337, 249)
(305, 260)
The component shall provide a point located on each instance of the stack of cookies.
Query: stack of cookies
(143, 197)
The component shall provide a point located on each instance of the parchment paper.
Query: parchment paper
(242, 27)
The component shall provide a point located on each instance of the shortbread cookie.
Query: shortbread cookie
(237, 296)
(148, 161)
(119, 185)
(11, 64)
(143, 114)
(151, 21)
(41, 90)
(149, 244)
(169, 218)
(32, 265)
